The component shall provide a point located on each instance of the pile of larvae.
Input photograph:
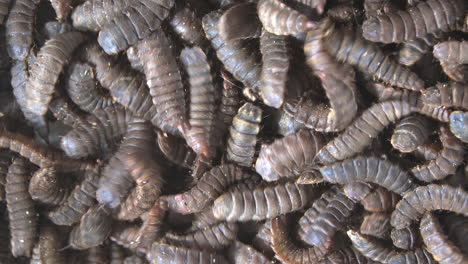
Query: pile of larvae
(233, 131)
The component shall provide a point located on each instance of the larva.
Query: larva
(94, 228)
(286, 124)
(410, 133)
(62, 8)
(261, 203)
(263, 240)
(243, 135)
(406, 238)
(275, 68)
(412, 51)
(187, 24)
(456, 72)
(417, 256)
(289, 156)
(386, 93)
(67, 112)
(114, 183)
(163, 79)
(5, 161)
(245, 64)
(176, 150)
(45, 186)
(458, 125)
(4, 10)
(428, 198)
(343, 13)
(378, 7)
(368, 169)
(211, 238)
(97, 255)
(280, 19)
(365, 128)
(54, 28)
(19, 28)
(446, 163)
(285, 249)
(451, 94)
(453, 52)
(209, 187)
(50, 243)
(347, 255)
(94, 15)
(240, 22)
(230, 99)
(201, 136)
(372, 198)
(134, 23)
(5, 252)
(370, 248)
(21, 211)
(162, 253)
(416, 22)
(79, 201)
(437, 243)
(240, 253)
(82, 89)
(375, 224)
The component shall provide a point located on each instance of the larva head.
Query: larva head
(309, 176)
(371, 29)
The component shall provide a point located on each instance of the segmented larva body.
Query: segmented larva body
(369, 169)
(94, 15)
(363, 130)
(230, 99)
(285, 249)
(456, 72)
(79, 201)
(343, 13)
(54, 28)
(410, 133)
(5, 161)
(45, 72)
(289, 156)
(280, 19)
(4, 8)
(428, 151)
(176, 150)
(377, 7)
(114, 183)
(372, 198)
(62, 8)
(412, 51)
(95, 226)
(428, 198)
(263, 240)
(233, 26)
(188, 26)
(318, 5)
(453, 94)
(261, 203)
(49, 245)
(162, 253)
(21, 211)
(446, 163)
(452, 52)
(243, 135)
(386, 93)
(212, 238)
(370, 248)
(82, 89)
(437, 243)
(417, 256)
(19, 28)
(351, 48)
(201, 136)
(406, 238)
(239, 253)
(46, 187)
(416, 22)
(67, 112)
(376, 224)
(347, 255)
(459, 124)
(275, 68)
(97, 255)
(326, 216)
(237, 56)
(163, 79)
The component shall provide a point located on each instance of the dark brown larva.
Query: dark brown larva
(62, 8)
(94, 228)
(65, 111)
(243, 135)
(5, 161)
(201, 136)
(428, 151)
(417, 256)
(412, 51)
(240, 253)
(377, 7)
(263, 240)
(133, 23)
(416, 22)
(19, 28)
(280, 19)
(458, 125)
(230, 99)
(261, 203)
(343, 13)
(233, 23)
(21, 211)
(372, 198)
(237, 56)
(369, 169)
(376, 224)
(162, 253)
(406, 238)
(176, 150)
(428, 198)
(347, 255)
(163, 79)
(453, 52)
(361, 132)
(289, 156)
(287, 251)
(387, 93)
(187, 24)
(275, 68)
(82, 89)
(50, 245)
(94, 15)
(79, 201)
(326, 216)
(370, 248)
(45, 186)
(446, 163)
(410, 133)
(437, 243)
(4, 10)
(456, 72)
(98, 255)
(451, 94)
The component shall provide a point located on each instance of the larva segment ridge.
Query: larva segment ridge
(94, 15)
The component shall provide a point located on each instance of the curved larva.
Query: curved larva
(428, 198)
(417, 256)
(162, 253)
(453, 94)
(347, 255)
(94, 15)
(176, 150)
(46, 187)
(95, 226)
(370, 248)
(406, 238)
(412, 51)
(453, 52)
(280, 19)
(363, 130)
(410, 133)
(289, 156)
(376, 225)
(369, 169)
(372, 198)
(188, 26)
(438, 244)
(415, 22)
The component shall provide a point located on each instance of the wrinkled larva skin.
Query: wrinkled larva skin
(453, 94)
(62, 8)
(239, 253)
(412, 51)
(370, 248)
(46, 187)
(94, 15)
(417, 256)
(240, 22)
(376, 224)
(187, 24)
(49, 245)
(410, 133)
(161, 253)
(372, 198)
(406, 238)
(176, 150)
(94, 227)
(347, 255)
(454, 52)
